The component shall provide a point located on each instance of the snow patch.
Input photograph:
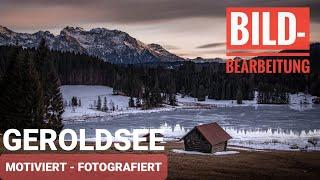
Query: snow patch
(245, 149)
(225, 153)
(180, 151)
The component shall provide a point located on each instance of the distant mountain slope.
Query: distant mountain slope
(109, 45)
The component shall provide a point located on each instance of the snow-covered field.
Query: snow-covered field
(89, 94)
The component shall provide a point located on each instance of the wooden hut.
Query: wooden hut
(207, 138)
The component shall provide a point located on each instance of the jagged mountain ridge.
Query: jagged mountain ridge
(109, 45)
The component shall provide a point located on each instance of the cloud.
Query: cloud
(203, 53)
(211, 45)
(136, 11)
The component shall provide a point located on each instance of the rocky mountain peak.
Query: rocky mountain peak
(72, 29)
(109, 45)
(5, 30)
(158, 48)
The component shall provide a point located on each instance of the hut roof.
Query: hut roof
(212, 132)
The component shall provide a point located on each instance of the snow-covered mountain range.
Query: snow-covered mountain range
(109, 45)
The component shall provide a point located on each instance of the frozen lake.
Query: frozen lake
(261, 127)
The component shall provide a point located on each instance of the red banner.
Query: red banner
(263, 29)
(83, 166)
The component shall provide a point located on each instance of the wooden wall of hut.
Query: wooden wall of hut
(195, 141)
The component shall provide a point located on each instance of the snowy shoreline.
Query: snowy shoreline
(89, 94)
(115, 113)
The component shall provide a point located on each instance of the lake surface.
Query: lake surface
(262, 127)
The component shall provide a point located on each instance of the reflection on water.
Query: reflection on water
(269, 127)
(177, 131)
(272, 133)
(281, 139)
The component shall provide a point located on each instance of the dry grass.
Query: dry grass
(246, 165)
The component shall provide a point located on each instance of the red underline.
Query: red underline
(267, 54)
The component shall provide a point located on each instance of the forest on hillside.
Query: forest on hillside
(153, 83)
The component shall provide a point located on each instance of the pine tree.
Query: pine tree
(111, 104)
(21, 100)
(172, 99)
(156, 94)
(138, 102)
(116, 84)
(239, 96)
(53, 102)
(33, 96)
(217, 91)
(146, 99)
(99, 103)
(105, 106)
(183, 92)
(74, 101)
(172, 94)
(211, 94)
(131, 102)
(95, 103)
(223, 90)
(201, 94)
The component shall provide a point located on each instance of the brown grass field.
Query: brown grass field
(245, 165)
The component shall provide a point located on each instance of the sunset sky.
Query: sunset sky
(189, 28)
